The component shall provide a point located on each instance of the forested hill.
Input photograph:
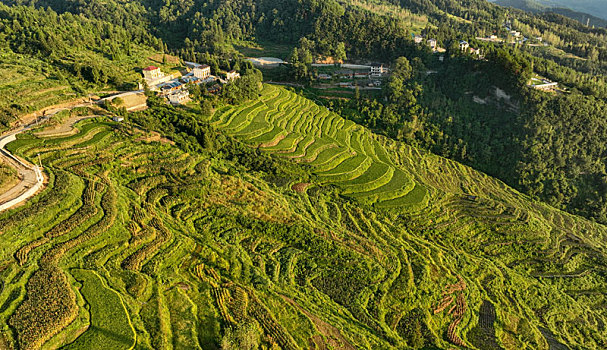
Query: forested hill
(536, 7)
(595, 7)
(566, 174)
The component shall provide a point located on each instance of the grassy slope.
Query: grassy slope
(110, 325)
(193, 251)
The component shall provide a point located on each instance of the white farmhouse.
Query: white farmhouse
(232, 75)
(378, 69)
(179, 97)
(202, 71)
(152, 73)
(463, 45)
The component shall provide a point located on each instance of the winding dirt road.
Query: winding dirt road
(31, 178)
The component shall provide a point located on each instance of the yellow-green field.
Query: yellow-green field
(138, 242)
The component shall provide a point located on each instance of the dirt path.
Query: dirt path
(65, 128)
(31, 178)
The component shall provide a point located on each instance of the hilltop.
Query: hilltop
(538, 7)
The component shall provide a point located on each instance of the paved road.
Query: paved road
(30, 175)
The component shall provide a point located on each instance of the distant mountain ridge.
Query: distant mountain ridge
(579, 11)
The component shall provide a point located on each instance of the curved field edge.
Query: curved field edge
(234, 244)
(110, 325)
(340, 152)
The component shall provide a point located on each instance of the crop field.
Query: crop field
(139, 244)
(339, 151)
(110, 326)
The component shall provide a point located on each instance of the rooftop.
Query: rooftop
(150, 68)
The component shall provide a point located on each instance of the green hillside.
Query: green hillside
(538, 7)
(196, 250)
(338, 151)
(593, 7)
(257, 216)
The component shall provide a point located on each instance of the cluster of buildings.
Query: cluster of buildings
(372, 72)
(175, 89)
(465, 47)
(431, 42)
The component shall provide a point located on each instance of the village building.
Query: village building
(202, 71)
(189, 80)
(418, 39)
(179, 97)
(546, 86)
(232, 75)
(378, 69)
(192, 65)
(152, 73)
(463, 45)
(433, 44)
(154, 76)
(168, 88)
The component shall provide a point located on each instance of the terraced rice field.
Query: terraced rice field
(186, 250)
(340, 152)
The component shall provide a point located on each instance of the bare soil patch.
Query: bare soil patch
(300, 187)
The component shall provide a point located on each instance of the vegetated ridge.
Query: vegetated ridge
(210, 250)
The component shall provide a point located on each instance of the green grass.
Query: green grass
(225, 251)
(399, 185)
(416, 198)
(288, 144)
(349, 169)
(376, 176)
(110, 324)
(264, 49)
(339, 151)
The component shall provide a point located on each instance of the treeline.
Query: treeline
(73, 45)
(481, 113)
